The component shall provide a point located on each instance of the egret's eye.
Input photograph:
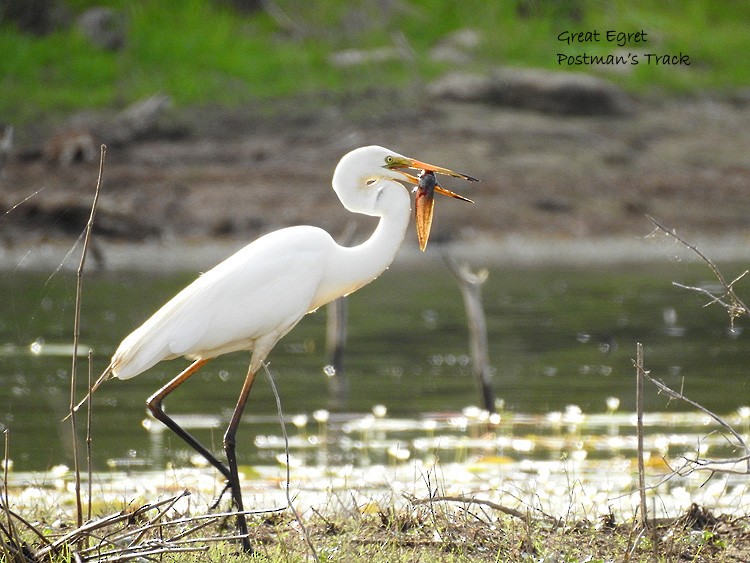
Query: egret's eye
(389, 159)
(371, 181)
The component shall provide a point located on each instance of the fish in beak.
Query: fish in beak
(426, 186)
(424, 205)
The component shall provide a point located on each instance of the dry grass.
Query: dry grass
(437, 531)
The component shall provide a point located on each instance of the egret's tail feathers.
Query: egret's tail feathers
(102, 378)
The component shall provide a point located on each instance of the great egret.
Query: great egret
(254, 297)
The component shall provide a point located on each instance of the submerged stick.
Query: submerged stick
(471, 291)
(336, 333)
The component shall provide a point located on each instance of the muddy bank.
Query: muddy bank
(231, 175)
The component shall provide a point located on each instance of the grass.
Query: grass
(445, 532)
(202, 52)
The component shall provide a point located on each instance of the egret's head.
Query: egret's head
(426, 187)
(372, 167)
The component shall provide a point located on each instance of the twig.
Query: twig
(714, 298)
(736, 307)
(88, 441)
(11, 532)
(472, 500)
(197, 527)
(127, 554)
(5, 505)
(639, 374)
(99, 524)
(297, 516)
(676, 395)
(76, 335)
(158, 517)
(127, 543)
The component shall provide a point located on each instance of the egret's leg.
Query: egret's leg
(229, 448)
(154, 403)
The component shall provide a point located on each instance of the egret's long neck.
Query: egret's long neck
(353, 267)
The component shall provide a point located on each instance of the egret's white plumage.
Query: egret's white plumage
(253, 298)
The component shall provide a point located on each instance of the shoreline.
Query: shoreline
(186, 255)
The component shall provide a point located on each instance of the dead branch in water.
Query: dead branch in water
(471, 290)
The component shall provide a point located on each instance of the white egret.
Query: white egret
(253, 298)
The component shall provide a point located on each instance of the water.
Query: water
(558, 337)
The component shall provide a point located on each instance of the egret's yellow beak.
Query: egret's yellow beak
(427, 185)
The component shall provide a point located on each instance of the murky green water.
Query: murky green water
(558, 337)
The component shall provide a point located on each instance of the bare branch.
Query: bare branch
(712, 465)
(674, 394)
(735, 306)
(482, 502)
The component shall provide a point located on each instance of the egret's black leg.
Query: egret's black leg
(229, 448)
(154, 403)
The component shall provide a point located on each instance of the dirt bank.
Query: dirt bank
(235, 174)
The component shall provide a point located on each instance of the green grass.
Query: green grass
(201, 52)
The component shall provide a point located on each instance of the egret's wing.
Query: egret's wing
(264, 289)
(262, 292)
